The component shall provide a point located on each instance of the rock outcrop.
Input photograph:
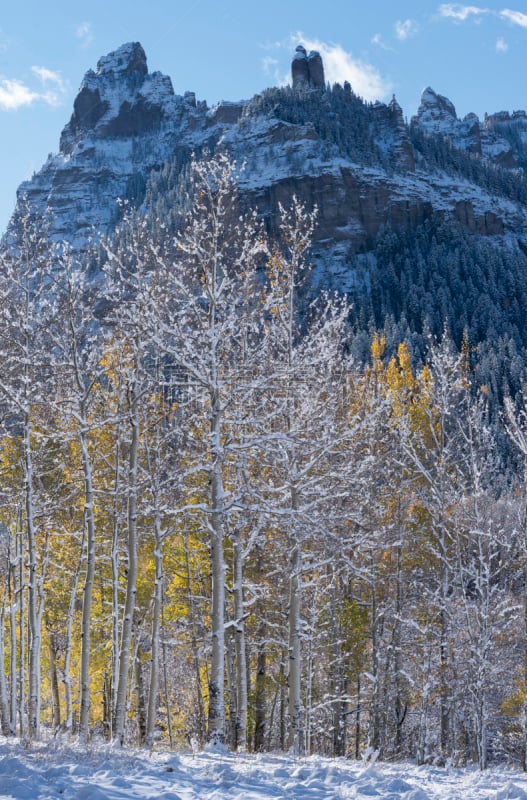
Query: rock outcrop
(307, 71)
(391, 134)
(119, 99)
(512, 126)
(437, 116)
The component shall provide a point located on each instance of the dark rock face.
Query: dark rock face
(352, 207)
(134, 119)
(111, 143)
(316, 70)
(300, 68)
(88, 108)
(514, 128)
(488, 224)
(228, 113)
(307, 71)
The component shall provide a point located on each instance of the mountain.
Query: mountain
(388, 194)
(359, 163)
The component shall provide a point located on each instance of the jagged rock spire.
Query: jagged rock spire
(307, 71)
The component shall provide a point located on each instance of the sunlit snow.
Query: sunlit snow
(101, 773)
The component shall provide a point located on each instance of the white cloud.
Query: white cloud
(15, 94)
(340, 66)
(501, 45)
(403, 30)
(516, 17)
(461, 13)
(84, 33)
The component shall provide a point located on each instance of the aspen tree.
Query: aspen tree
(76, 368)
(24, 279)
(202, 283)
(304, 448)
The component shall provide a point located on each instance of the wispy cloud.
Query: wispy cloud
(501, 45)
(379, 42)
(516, 17)
(15, 94)
(55, 88)
(340, 66)
(271, 67)
(84, 33)
(461, 13)
(405, 29)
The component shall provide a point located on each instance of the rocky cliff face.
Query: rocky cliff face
(358, 163)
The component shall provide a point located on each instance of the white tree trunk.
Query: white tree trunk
(296, 709)
(13, 705)
(20, 593)
(153, 689)
(240, 646)
(35, 636)
(216, 719)
(131, 579)
(68, 722)
(116, 633)
(87, 596)
(4, 699)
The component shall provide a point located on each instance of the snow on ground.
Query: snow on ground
(100, 773)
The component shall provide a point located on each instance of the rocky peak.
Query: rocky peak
(119, 99)
(127, 60)
(307, 71)
(437, 116)
(435, 111)
(126, 122)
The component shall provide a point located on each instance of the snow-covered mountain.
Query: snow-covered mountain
(361, 164)
(437, 116)
(126, 122)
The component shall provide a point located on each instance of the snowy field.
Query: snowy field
(102, 774)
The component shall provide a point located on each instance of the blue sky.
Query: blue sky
(231, 49)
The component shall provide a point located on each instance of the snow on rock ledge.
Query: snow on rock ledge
(436, 115)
